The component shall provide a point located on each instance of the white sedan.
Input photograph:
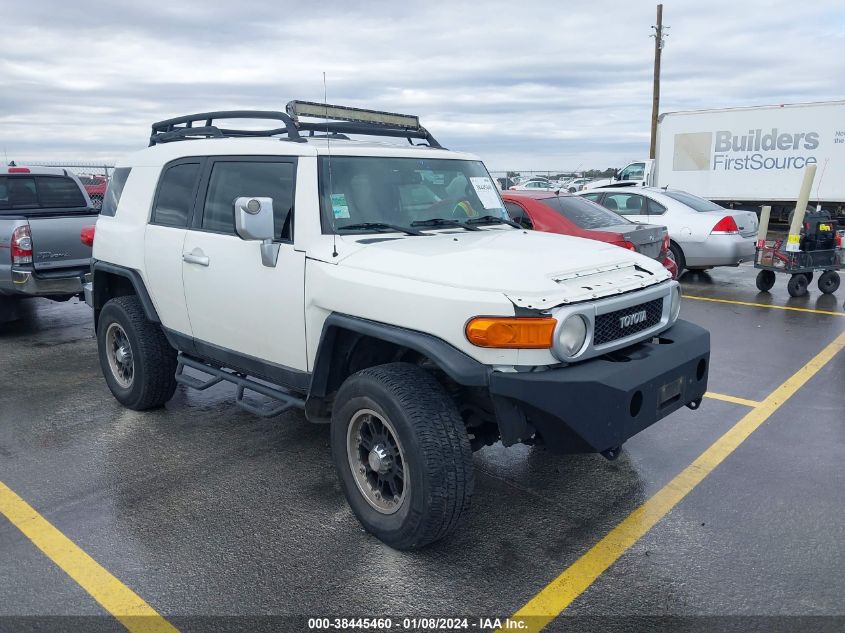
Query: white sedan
(535, 184)
(703, 234)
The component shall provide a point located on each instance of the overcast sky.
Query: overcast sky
(526, 85)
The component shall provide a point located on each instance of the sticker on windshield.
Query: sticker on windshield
(339, 207)
(486, 191)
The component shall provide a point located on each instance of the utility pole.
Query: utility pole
(655, 103)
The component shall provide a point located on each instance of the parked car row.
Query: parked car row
(570, 185)
(570, 215)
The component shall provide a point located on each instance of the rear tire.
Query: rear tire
(765, 280)
(402, 455)
(680, 260)
(138, 363)
(829, 282)
(797, 286)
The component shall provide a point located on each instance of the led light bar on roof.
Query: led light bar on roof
(331, 112)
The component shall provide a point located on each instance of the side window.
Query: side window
(634, 171)
(114, 190)
(655, 208)
(518, 215)
(59, 192)
(625, 203)
(176, 195)
(230, 180)
(592, 196)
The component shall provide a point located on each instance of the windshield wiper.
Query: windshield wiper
(379, 227)
(493, 219)
(444, 222)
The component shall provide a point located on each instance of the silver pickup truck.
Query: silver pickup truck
(42, 213)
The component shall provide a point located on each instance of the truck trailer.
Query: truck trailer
(744, 158)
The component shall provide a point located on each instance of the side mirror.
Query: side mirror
(254, 221)
(254, 218)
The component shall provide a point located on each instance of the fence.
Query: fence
(93, 175)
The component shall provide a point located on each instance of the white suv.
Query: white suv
(381, 288)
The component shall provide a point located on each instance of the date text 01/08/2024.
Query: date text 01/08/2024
(417, 624)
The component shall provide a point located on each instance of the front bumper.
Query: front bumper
(720, 250)
(31, 283)
(598, 404)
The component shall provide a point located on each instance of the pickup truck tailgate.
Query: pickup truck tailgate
(56, 243)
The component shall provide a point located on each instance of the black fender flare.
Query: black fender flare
(100, 296)
(456, 364)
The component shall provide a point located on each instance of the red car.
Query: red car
(572, 215)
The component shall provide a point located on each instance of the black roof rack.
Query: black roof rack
(339, 121)
(182, 128)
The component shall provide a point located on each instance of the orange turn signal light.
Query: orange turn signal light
(511, 332)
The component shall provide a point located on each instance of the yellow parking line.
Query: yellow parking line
(560, 592)
(726, 398)
(115, 597)
(762, 305)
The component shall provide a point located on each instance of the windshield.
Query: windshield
(583, 213)
(363, 190)
(694, 202)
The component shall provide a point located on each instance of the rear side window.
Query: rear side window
(176, 192)
(518, 215)
(234, 179)
(40, 192)
(114, 190)
(655, 208)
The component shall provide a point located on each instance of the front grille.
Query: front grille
(609, 327)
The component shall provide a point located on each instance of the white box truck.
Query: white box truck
(747, 157)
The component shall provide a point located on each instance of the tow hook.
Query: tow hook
(694, 404)
(612, 453)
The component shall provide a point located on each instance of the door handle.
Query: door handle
(196, 257)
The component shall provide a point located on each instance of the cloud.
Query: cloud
(527, 86)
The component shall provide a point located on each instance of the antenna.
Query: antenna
(329, 149)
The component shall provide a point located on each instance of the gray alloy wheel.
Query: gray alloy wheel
(377, 461)
(119, 353)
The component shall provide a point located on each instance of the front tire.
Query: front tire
(138, 363)
(765, 280)
(402, 455)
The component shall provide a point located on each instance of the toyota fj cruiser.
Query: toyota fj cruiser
(383, 288)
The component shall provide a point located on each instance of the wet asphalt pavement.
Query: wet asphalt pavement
(205, 510)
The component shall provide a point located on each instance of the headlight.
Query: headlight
(572, 335)
(675, 308)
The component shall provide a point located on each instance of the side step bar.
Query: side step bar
(284, 400)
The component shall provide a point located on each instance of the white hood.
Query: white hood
(532, 269)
